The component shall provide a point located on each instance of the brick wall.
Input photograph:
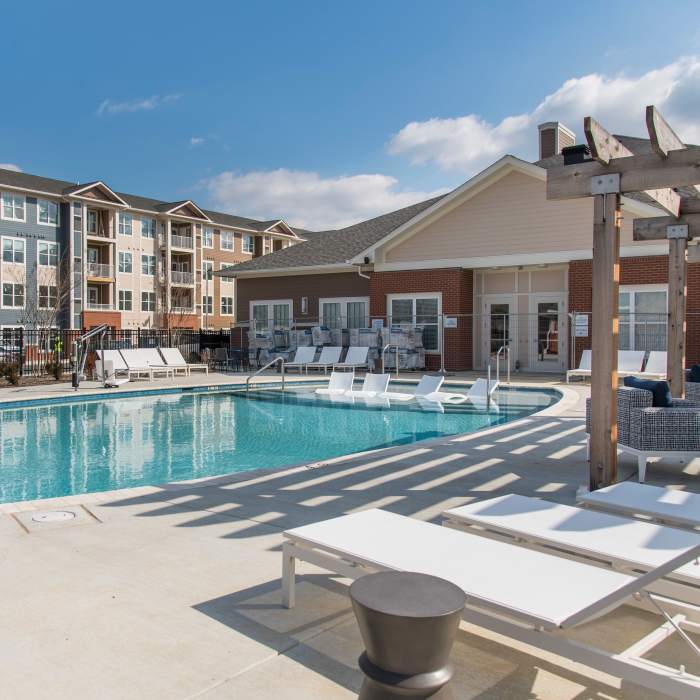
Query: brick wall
(456, 286)
(639, 270)
(92, 319)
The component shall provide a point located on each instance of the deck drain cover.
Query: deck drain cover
(53, 516)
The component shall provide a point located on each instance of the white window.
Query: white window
(148, 264)
(148, 227)
(208, 237)
(48, 297)
(92, 219)
(13, 206)
(207, 270)
(77, 217)
(227, 306)
(271, 314)
(643, 315)
(227, 240)
(48, 253)
(126, 222)
(208, 304)
(13, 295)
(343, 312)
(47, 212)
(418, 311)
(125, 262)
(125, 300)
(13, 250)
(267, 244)
(148, 301)
(248, 243)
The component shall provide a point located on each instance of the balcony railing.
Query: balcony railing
(178, 277)
(94, 306)
(182, 310)
(100, 233)
(100, 270)
(182, 241)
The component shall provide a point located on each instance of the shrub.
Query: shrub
(55, 369)
(10, 371)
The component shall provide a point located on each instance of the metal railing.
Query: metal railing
(182, 309)
(94, 306)
(250, 377)
(182, 241)
(396, 348)
(505, 350)
(177, 277)
(94, 269)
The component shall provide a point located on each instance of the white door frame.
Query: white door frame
(534, 363)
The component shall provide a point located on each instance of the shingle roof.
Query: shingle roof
(335, 246)
(63, 187)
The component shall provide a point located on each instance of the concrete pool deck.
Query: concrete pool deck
(174, 593)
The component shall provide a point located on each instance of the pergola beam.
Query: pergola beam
(638, 173)
(655, 228)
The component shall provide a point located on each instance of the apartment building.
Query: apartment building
(495, 259)
(83, 254)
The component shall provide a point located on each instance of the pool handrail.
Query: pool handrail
(396, 348)
(262, 369)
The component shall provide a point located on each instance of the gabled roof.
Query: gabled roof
(330, 248)
(276, 226)
(185, 208)
(87, 190)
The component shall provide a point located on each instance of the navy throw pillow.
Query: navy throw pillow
(695, 373)
(661, 391)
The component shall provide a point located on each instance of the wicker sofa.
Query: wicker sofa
(645, 431)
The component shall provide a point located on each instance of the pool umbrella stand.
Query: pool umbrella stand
(408, 622)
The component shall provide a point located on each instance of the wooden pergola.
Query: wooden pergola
(613, 171)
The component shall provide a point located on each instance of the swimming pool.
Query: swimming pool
(103, 444)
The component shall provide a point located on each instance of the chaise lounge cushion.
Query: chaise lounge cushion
(661, 391)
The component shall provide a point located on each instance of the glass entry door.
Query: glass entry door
(499, 329)
(547, 334)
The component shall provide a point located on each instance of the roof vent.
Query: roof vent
(554, 137)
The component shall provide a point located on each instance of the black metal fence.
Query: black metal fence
(37, 353)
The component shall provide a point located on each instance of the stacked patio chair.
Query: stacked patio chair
(692, 389)
(645, 431)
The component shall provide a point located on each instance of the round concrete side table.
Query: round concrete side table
(408, 622)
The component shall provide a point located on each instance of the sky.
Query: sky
(326, 113)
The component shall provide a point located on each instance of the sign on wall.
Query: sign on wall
(450, 322)
(581, 326)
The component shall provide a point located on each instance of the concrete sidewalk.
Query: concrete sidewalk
(174, 593)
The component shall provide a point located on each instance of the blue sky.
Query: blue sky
(325, 112)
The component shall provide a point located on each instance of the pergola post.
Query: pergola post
(677, 266)
(605, 329)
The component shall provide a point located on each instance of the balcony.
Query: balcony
(184, 278)
(186, 242)
(100, 270)
(182, 310)
(94, 306)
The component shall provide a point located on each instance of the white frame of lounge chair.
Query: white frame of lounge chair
(325, 364)
(343, 379)
(680, 585)
(581, 370)
(630, 362)
(519, 625)
(380, 382)
(110, 375)
(657, 359)
(405, 396)
(349, 363)
(144, 368)
(650, 502)
(180, 362)
(475, 393)
(304, 350)
(121, 365)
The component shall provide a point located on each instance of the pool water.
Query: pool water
(98, 445)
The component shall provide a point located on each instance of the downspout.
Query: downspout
(359, 270)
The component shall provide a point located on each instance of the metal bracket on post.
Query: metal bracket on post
(605, 184)
(678, 231)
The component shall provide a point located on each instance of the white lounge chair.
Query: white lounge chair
(121, 367)
(482, 391)
(655, 367)
(110, 376)
(330, 355)
(670, 506)
(356, 358)
(428, 389)
(137, 360)
(302, 357)
(630, 362)
(584, 367)
(339, 383)
(173, 358)
(517, 592)
(621, 543)
(374, 385)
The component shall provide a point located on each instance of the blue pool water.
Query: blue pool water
(98, 445)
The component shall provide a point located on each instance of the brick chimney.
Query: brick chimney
(553, 137)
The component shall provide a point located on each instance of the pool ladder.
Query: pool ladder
(250, 377)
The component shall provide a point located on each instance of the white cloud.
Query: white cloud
(196, 141)
(141, 104)
(469, 143)
(11, 166)
(308, 200)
